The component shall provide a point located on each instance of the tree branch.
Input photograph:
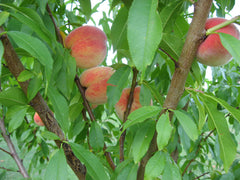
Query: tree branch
(198, 149)
(193, 40)
(16, 67)
(59, 37)
(5, 151)
(127, 112)
(12, 149)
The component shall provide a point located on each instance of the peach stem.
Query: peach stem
(219, 26)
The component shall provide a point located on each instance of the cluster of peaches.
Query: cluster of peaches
(88, 47)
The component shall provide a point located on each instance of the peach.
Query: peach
(37, 119)
(121, 105)
(88, 46)
(95, 80)
(211, 51)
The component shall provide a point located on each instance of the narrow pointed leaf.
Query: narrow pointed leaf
(227, 145)
(36, 48)
(232, 45)
(141, 115)
(142, 140)
(164, 131)
(187, 123)
(57, 167)
(94, 167)
(144, 32)
(13, 96)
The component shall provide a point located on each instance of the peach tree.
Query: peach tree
(163, 114)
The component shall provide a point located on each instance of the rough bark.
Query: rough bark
(193, 40)
(16, 67)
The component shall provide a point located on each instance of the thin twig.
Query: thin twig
(59, 37)
(126, 113)
(8, 169)
(5, 151)
(12, 149)
(198, 149)
(85, 101)
(175, 62)
(201, 175)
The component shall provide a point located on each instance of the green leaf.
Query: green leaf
(119, 30)
(36, 48)
(187, 123)
(164, 131)
(33, 87)
(119, 80)
(232, 45)
(155, 166)
(144, 32)
(142, 140)
(49, 135)
(171, 171)
(234, 112)
(201, 112)
(86, 8)
(228, 147)
(31, 18)
(169, 14)
(16, 116)
(155, 93)
(94, 166)
(141, 115)
(145, 96)
(25, 75)
(57, 167)
(13, 96)
(172, 45)
(3, 17)
(60, 107)
(1, 56)
(129, 172)
(96, 138)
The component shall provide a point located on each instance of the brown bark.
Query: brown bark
(193, 40)
(16, 67)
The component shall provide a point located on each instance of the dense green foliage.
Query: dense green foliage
(144, 34)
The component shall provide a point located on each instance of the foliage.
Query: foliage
(147, 35)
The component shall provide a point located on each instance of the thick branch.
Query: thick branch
(193, 40)
(16, 67)
(12, 149)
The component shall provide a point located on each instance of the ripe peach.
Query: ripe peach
(121, 105)
(88, 46)
(37, 119)
(95, 80)
(211, 51)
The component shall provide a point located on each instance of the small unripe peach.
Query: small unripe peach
(121, 105)
(88, 46)
(37, 119)
(95, 80)
(211, 51)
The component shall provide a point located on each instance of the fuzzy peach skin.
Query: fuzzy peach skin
(88, 46)
(37, 119)
(95, 80)
(211, 51)
(122, 103)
